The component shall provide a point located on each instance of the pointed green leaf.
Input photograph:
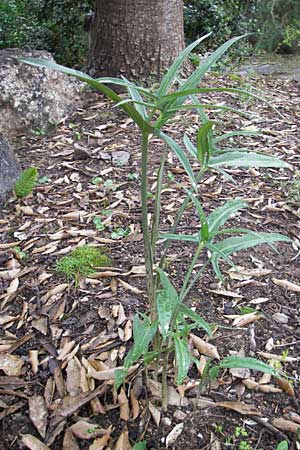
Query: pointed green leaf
(165, 307)
(183, 359)
(196, 318)
(204, 143)
(246, 159)
(170, 75)
(128, 109)
(190, 146)
(220, 215)
(143, 333)
(135, 95)
(120, 376)
(167, 285)
(239, 362)
(180, 237)
(199, 73)
(236, 133)
(227, 247)
(180, 155)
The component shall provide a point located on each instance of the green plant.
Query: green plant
(244, 445)
(283, 445)
(26, 182)
(82, 262)
(162, 334)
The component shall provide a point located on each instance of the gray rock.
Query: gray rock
(10, 169)
(81, 152)
(32, 97)
(120, 158)
(105, 156)
(280, 318)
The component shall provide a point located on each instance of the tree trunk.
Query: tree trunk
(135, 38)
(10, 169)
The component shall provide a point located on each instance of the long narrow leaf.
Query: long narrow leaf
(227, 247)
(135, 95)
(209, 106)
(220, 215)
(204, 67)
(180, 155)
(190, 146)
(143, 332)
(170, 75)
(246, 159)
(196, 318)
(128, 109)
(183, 359)
(236, 133)
(239, 362)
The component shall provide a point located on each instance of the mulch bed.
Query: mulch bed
(60, 343)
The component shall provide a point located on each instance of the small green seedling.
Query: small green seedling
(82, 262)
(133, 176)
(283, 445)
(26, 182)
(120, 233)
(97, 180)
(98, 223)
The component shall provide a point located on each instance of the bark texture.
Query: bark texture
(135, 38)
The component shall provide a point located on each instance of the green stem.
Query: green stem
(177, 220)
(157, 206)
(196, 277)
(146, 236)
(164, 382)
(190, 269)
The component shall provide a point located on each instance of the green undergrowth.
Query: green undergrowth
(26, 182)
(82, 262)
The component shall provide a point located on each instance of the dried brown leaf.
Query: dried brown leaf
(134, 405)
(11, 364)
(286, 285)
(123, 441)
(239, 407)
(174, 434)
(38, 413)
(204, 347)
(100, 443)
(70, 441)
(33, 443)
(286, 425)
(86, 430)
(124, 405)
(73, 377)
(155, 413)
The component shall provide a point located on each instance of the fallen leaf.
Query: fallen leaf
(123, 441)
(33, 443)
(134, 405)
(246, 319)
(73, 377)
(38, 413)
(86, 430)
(241, 408)
(204, 347)
(286, 386)
(155, 413)
(70, 441)
(281, 358)
(174, 434)
(11, 364)
(124, 406)
(286, 425)
(13, 287)
(286, 285)
(100, 443)
(129, 287)
(266, 388)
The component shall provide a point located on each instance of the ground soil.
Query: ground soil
(43, 312)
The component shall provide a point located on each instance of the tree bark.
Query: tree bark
(135, 38)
